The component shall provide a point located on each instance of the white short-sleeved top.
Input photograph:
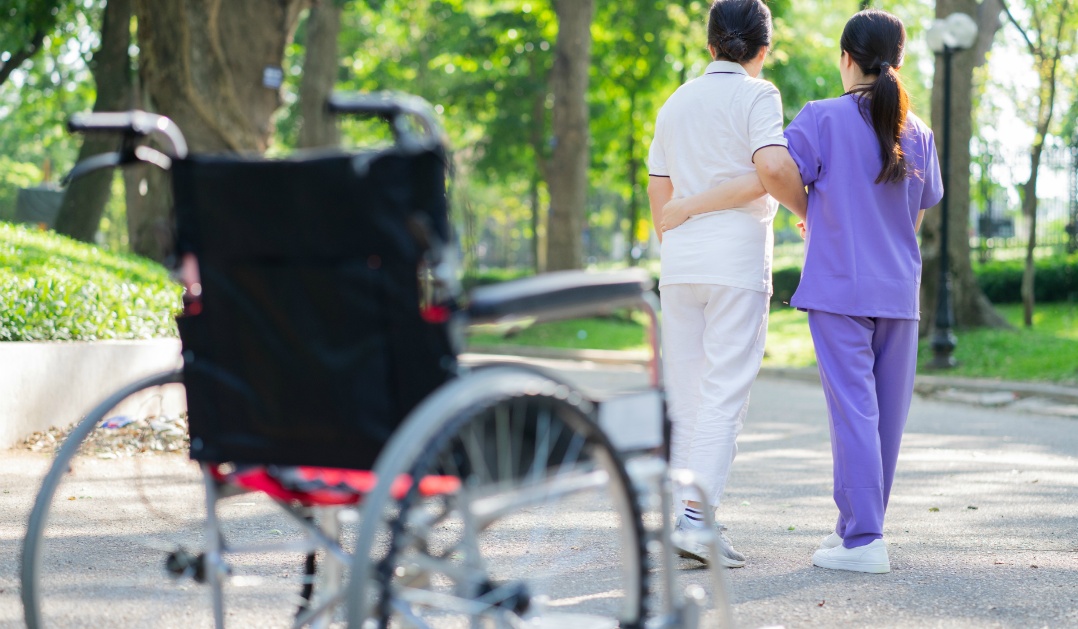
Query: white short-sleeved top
(707, 132)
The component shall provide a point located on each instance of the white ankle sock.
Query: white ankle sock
(694, 518)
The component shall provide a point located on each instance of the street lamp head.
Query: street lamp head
(957, 31)
(964, 30)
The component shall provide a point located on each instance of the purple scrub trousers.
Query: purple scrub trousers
(867, 366)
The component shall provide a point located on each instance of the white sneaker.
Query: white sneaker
(691, 543)
(869, 558)
(831, 541)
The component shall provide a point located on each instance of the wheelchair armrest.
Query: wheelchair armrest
(564, 294)
(118, 159)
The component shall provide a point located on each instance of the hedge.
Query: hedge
(1056, 280)
(53, 288)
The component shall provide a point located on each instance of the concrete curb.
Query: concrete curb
(981, 391)
(45, 384)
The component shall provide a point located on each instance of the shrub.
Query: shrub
(1056, 279)
(56, 289)
(785, 282)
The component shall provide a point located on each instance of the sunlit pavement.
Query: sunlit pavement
(982, 526)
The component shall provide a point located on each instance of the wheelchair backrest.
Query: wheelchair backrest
(309, 347)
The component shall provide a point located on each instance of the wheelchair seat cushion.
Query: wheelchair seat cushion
(325, 486)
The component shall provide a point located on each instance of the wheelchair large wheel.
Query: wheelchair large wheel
(542, 529)
(107, 525)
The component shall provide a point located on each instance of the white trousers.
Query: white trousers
(713, 344)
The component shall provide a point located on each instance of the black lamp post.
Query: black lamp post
(945, 37)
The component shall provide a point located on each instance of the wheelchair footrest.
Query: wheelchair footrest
(323, 486)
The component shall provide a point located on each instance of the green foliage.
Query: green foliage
(1057, 279)
(37, 99)
(804, 62)
(57, 289)
(25, 19)
(14, 176)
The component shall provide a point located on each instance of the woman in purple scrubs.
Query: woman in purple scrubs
(871, 170)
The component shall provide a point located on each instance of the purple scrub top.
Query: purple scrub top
(861, 252)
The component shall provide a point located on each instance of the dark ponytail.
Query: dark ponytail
(737, 29)
(876, 41)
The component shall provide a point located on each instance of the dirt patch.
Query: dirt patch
(118, 437)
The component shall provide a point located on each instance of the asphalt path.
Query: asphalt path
(982, 526)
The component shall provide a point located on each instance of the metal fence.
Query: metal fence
(998, 228)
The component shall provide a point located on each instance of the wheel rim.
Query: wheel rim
(544, 530)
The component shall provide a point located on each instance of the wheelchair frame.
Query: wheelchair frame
(638, 442)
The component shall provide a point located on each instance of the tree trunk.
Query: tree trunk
(1029, 209)
(537, 135)
(568, 179)
(85, 199)
(971, 307)
(1047, 59)
(1029, 192)
(213, 67)
(633, 173)
(533, 203)
(317, 127)
(536, 138)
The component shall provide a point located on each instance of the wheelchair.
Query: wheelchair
(321, 328)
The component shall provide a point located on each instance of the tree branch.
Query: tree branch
(22, 55)
(1025, 36)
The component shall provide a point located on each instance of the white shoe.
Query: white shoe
(831, 541)
(868, 558)
(691, 543)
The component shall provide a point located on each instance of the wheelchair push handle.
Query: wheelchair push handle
(399, 110)
(132, 126)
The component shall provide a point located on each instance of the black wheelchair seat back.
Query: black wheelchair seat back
(309, 346)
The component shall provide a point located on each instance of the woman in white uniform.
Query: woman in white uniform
(721, 129)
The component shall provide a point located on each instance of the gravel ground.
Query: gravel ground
(982, 527)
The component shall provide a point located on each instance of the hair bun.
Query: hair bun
(734, 47)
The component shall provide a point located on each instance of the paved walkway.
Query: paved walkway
(983, 523)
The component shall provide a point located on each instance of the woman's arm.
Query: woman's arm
(660, 189)
(782, 179)
(731, 193)
(920, 217)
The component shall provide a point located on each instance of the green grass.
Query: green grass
(53, 288)
(1048, 352)
(615, 332)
